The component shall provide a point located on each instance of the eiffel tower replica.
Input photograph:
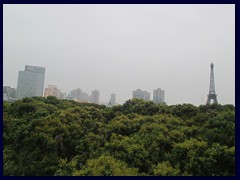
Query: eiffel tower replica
(212, 95)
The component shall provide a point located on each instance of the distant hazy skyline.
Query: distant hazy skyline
(120, 48)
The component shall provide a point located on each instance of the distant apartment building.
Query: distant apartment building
(52, 90)
(146, 96)
(76, 94)
(86, 97)
(5, 96)
(95, 96)
(81, 96)
(112, 101)
(30, 82)
(64, 95)
(158, 96)
(139, 94)
(9, 94)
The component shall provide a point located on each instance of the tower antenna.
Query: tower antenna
(212, 94)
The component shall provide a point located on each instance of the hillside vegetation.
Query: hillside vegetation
(51, 137)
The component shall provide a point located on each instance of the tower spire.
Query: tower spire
(212, 95)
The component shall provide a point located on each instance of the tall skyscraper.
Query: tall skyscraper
(158, 96)
(30, 82)
(95, 97)
(112, 101)
(139, 94)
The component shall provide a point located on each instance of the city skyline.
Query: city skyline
(119, 48)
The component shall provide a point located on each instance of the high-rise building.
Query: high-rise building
(146, 96)
(80, 96)
(112, 101)
(52, 90)
(30, 82)
(86, 97)
(5, 96)
(9, 94)
(139, 94)
(64, 95)
(158, 96)
(76, 94)
(95, 97)
(59, 94)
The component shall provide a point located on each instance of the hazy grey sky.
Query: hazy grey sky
(119, 48)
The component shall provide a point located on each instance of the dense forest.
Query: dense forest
(51, 137)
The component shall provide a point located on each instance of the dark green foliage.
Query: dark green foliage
(165, 169)
(106, 166)
(140, 107)
(184, 111)
(48, 136)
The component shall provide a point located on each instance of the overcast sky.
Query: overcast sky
(120, 48)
